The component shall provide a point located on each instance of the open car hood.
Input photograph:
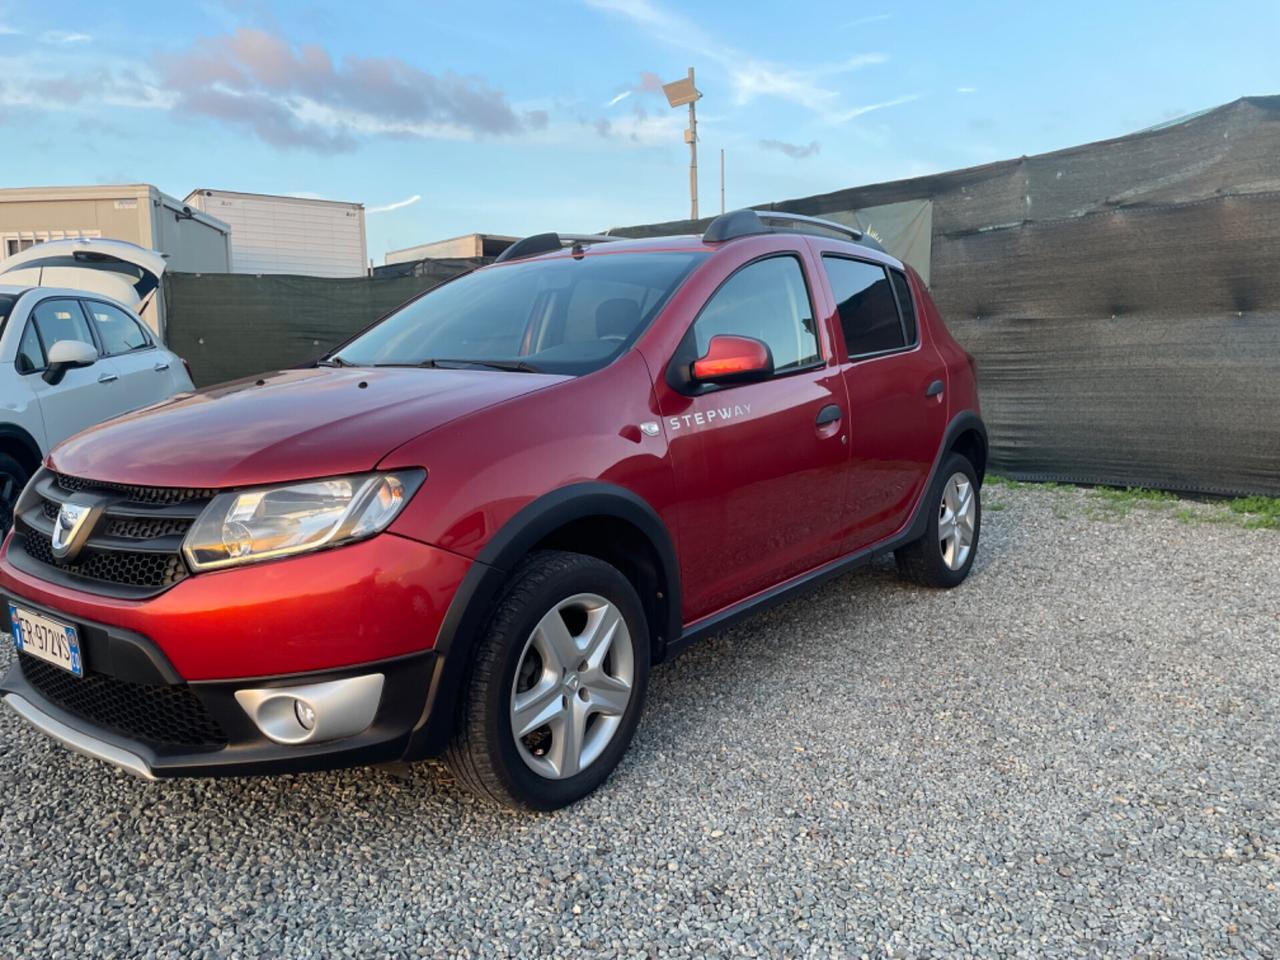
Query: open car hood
(123, 271)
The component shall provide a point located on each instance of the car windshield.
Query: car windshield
(569, 315)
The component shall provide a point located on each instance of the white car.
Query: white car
(69, 359)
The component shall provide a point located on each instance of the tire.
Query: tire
(553, 608)
(13, 478)
(933, 561)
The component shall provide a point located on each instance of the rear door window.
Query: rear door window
(118, 331)
(867, 306)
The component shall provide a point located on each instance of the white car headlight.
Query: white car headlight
(266, 522)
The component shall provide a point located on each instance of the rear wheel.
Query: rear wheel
(13, 477)
(944, 555)
(557, 685)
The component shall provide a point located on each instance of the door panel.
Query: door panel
(143, 368)
(895, 419)
(760, 480)
(761, 486)
(894, 431)
(85, 395)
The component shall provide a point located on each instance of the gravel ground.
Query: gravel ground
(1075, 754)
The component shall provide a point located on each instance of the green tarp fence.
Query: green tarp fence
(1122, 299)
(230, 325)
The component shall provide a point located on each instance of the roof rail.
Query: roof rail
(548, 242)
(745, 223)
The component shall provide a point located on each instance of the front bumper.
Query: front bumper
(241, 748)
(161, 675)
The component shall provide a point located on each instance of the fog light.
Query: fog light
(314, 712)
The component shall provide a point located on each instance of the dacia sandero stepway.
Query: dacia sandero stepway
(474, 528)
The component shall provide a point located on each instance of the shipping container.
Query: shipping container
(298, 235)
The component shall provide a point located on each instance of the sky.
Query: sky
(448, 118)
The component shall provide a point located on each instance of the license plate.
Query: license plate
(46, 639)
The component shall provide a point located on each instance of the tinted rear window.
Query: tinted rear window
(7, 301)
(868, 310)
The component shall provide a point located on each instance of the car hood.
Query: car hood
(289, 425)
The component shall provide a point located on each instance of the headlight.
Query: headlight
(259, 524)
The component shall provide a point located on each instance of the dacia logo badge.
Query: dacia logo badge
(72, 528)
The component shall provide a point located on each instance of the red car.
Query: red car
(473, 529)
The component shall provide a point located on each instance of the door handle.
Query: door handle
(829, 414)
(161, 366)
(108, 377)
(935, 389)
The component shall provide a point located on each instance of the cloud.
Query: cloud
(749, 77)
(793, 150)
(64, 36)
(8, 31)
(966, 89)
(873, 18)
(847, 115)
(640, 127)
(398, 205)
(299, 97)
(648, 82)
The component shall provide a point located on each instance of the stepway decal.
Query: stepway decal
(702, 419)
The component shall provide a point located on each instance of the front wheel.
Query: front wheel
(556, 687)
(944, 555)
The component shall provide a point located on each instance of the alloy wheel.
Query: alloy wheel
(572, 686)
(956, 516)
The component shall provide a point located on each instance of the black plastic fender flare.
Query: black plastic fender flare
(474, 598)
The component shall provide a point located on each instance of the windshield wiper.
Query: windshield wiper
(333, 362)
(517, 366)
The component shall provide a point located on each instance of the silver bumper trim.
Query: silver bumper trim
(77, 741)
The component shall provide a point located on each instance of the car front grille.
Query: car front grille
(136, 543)
(163, 715)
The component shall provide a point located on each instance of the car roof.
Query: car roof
(693, 243)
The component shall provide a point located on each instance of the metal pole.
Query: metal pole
(722, 179)
(693, 153)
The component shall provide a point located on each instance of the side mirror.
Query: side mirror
(66, 354)
(732, 359)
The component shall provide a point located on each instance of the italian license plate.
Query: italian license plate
(46, 639)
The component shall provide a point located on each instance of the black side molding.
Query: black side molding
(913, 530)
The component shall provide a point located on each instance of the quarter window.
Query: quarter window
(868, 310)
(118, 331)
(903, 289)
(767, 300)
(30, 356)
(61, 320)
